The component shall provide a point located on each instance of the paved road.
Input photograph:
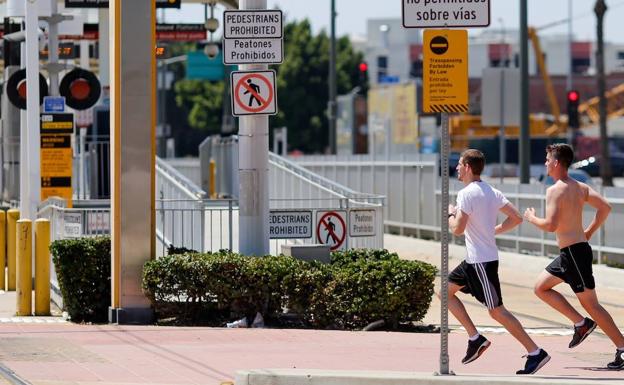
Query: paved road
(48, 351)
(517, 274)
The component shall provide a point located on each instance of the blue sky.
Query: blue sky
(352, 15)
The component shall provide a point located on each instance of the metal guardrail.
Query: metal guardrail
(412, 186)
(204, 225)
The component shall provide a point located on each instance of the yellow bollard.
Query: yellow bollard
(23, 267)
(42, 267)
(212, 194)
(12, 217)
(2, 249)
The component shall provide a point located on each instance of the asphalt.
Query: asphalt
(52, 351)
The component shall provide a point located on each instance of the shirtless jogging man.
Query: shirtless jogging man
(478, 205)
(564, 216)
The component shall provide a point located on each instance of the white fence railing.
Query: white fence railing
(412, 187)
(208, 225)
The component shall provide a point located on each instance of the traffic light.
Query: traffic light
(573, 105)
(363, 77)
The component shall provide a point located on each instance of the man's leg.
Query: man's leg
(544, 290)
(513, 326)
(458, 310)
(589, 300)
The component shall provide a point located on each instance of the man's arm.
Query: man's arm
(551, 221)
(603, 208)
(457, 220)
(514, 218)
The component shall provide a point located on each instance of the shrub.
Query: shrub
(367, 290)
(83, 269)
(358, 287)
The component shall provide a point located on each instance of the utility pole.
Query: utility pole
(331, 105)
(253, 168)
(524, 144)
(605, 162)
(570, 41)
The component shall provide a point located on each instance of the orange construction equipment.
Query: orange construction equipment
(463, 127)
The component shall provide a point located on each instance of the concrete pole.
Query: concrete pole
(29, 209)
(524, 144)
(331, 105)
(570, 41)
(24, 182)
(104, 47)
(605, 163)
(253, 142)
(84, 45)
(53, 45)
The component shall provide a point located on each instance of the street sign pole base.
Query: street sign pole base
(450, 373)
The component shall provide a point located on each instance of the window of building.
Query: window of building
(416, 69)
(382, 67)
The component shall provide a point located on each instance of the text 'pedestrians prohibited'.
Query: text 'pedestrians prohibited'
(443, 14)
(331, 228)
(445, 71)
(252, 37)
(288, 224)
(253, 93)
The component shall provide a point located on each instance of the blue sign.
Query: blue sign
(199, 66)
(53, 104)
(387, 79)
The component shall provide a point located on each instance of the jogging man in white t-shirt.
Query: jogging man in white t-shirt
(478, 205)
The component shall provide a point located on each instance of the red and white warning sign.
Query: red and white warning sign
(331, 228)
(253, 93)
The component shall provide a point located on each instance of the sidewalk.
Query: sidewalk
(49, 351)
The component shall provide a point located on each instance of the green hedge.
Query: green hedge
(83, 270)
(358, 287)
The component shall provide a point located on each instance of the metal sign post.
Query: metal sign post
(445, 90)
(444, 357)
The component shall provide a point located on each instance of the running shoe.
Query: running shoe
(475, 349)
(581, 332)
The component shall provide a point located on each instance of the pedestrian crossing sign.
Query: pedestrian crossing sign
(253, 93)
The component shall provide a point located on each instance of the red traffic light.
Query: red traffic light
(363, 67)
(573, 96)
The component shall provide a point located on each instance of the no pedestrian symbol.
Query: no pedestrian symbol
(331, 229)
(253, 93)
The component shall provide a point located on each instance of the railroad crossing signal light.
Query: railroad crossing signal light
(363, 77)
(573, 106)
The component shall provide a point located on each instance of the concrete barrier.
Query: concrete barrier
(336, 377)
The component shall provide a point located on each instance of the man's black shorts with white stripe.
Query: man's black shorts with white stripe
(574, 267)
(480, 280)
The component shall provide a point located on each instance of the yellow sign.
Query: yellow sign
(395, 104)
(404, 124)
(445, 69)
(56, 156)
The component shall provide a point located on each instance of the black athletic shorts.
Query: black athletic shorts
(574, 266)
(479, 280)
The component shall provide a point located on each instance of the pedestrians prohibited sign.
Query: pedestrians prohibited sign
(443, 14)
(331, 228)
(286, 224)
(253, 36)
(253, 93)
(445, 70)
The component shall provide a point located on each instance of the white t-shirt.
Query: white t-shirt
(482, 203)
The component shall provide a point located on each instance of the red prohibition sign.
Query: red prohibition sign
(331, 233)
(265, 102)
